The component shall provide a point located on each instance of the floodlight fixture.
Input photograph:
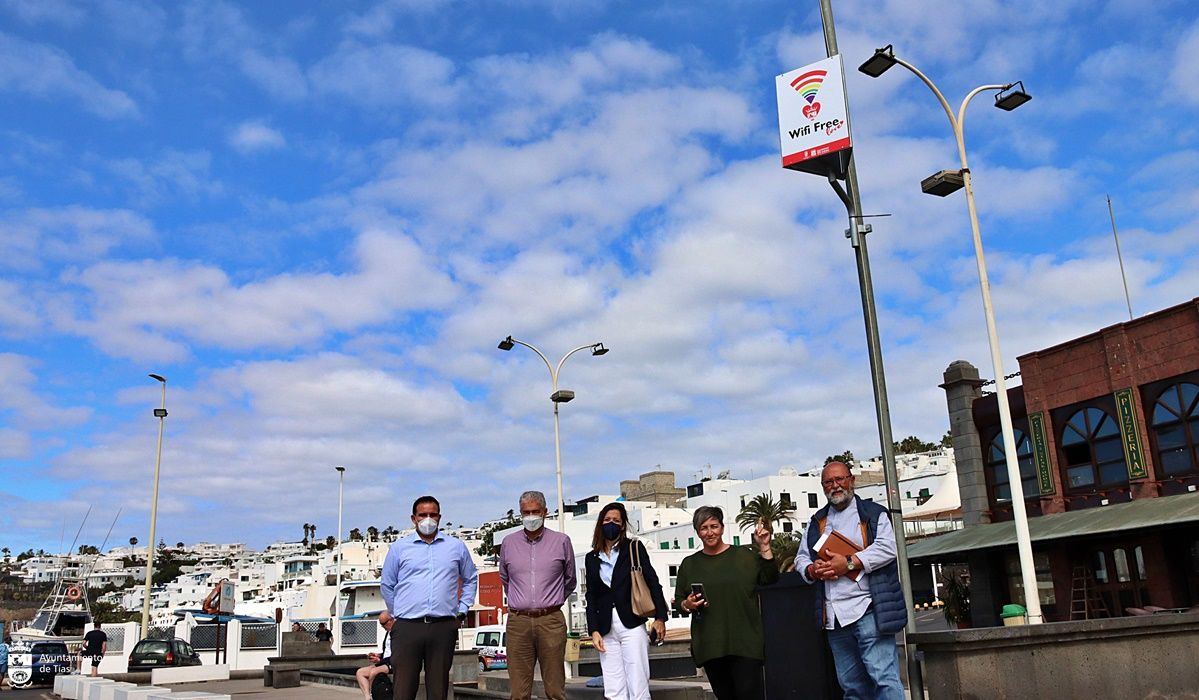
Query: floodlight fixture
(506, 344)
(599, 349)
(943, 183)
(1008, 98)
(879, 63)
(562, 396)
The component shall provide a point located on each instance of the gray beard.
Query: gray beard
(841, 500)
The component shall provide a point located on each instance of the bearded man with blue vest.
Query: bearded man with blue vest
(859, 599)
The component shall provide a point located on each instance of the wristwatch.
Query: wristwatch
(849, 564)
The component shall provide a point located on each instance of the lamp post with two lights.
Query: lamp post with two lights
(1009, 96)
(558, 396)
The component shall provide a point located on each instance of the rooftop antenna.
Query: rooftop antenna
(1115, 235)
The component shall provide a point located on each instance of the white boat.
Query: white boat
(65, 616)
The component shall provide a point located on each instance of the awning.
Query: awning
(946, 500)
(1122, 517)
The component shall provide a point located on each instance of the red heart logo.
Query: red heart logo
(810, 111)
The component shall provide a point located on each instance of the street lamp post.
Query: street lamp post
(161, 415)
(1009, 97)
(558, 396)
(857, 232)
(341, 477)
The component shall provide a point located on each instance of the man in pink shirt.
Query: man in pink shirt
(537, 568)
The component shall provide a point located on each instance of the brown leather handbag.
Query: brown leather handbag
(643, 601)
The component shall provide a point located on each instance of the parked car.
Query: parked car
(492, 645)
(150, 654)
(37, 662)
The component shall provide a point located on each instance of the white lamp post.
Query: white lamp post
(557, 396)
(341, 477)
(161, 415)
(1010, 96)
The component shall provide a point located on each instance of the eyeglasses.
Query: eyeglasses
(835, 480)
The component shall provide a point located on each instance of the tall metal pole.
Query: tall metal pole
(161, 414)
(341, 477)
(1028, 573)
(558, 465)
(1119, 256)
(857, 236)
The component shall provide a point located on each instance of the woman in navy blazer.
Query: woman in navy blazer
(620, 638)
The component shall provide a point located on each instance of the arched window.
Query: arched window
(1001, 488)
(1092, 451)
(1176, 428)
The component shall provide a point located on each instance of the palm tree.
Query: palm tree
(330, 541)
(763, 508)
(373, 533)
(132, 541)
(355, 535)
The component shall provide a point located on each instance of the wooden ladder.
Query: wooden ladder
(1086, 602)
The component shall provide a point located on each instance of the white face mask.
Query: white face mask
(426, 526)
(532, 523)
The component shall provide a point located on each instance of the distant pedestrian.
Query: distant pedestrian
(297, 627)
(617, 632)
(429, 583)
(861, 612)
(323, 633)
(95, 645)
(716, 585)
(537, 568)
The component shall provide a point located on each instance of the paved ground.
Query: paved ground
(248, 687)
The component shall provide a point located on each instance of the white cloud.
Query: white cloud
(385, 75)
(44, 71)
(18, 315)
(1184, 81)
(381, 18)
(24, 409)
(31, 237)
(253, 136)
(220, 31)
(157, 309)
(171, 175)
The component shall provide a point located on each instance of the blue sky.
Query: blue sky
(318, 219)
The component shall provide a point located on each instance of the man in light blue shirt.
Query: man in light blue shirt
(860, 601)
(429, 582)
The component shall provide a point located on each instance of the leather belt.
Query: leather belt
(534, 612)
(426, 619)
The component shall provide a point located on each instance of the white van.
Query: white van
(491, 642)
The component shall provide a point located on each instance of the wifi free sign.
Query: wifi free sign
(814, 117)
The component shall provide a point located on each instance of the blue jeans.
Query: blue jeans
(867, 667)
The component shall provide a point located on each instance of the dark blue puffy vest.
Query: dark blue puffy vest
(886, 594)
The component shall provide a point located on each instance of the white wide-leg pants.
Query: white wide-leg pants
(625, 662)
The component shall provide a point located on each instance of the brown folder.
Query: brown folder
(833, 542)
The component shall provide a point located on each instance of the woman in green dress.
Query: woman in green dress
(726, 625)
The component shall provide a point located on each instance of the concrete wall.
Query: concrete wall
(1139, 657)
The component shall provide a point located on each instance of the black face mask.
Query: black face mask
(612, 531)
